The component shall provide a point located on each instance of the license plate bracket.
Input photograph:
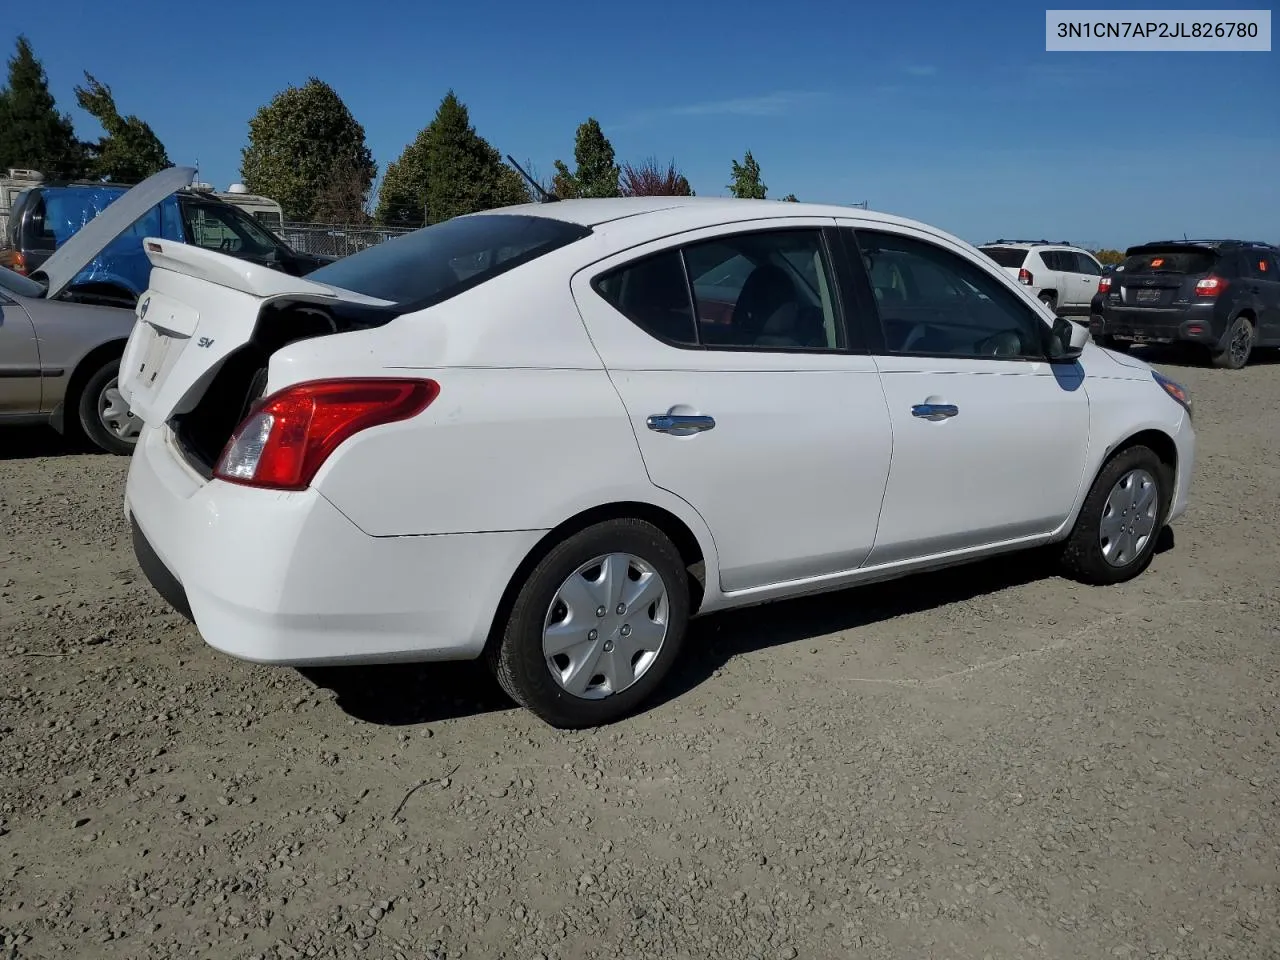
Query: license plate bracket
(1146, 296)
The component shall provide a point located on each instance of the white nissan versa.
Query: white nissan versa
(551, 434)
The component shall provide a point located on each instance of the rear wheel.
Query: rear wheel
(103, 413)
(1115, 534)
(1239, 345)
(596, 626)
(1050, 300)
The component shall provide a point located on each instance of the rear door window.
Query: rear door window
(765, 290)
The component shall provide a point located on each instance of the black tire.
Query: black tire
(516, 657)
(1239, 345)
(1050, 300)
(1082, 556)
(88, 406)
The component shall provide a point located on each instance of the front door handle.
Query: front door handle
(680, 424)
(935, 411)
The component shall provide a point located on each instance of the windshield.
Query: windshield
(1183, 261)
(17, 284)
(222, 227)
(1006, 256)
(437, 262)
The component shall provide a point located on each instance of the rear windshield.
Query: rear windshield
(440, 261)
(1170, 261)
(1006, 256)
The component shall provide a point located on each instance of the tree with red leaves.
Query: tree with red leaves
(648, 179)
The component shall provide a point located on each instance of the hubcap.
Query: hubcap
(1240, 343)
(115, 414)
(1128, 518)
(606, 626)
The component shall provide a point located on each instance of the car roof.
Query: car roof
(1207, 243)
(1028, 244)
(692, 212)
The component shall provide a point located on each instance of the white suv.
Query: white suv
(1064, 277)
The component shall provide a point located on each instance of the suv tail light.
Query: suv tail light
(1210, 286)
(15, 260)
(1104, 285)
(287, 436)
(1024, 276)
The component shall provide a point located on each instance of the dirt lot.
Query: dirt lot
(987, 763)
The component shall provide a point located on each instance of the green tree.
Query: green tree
(458, 171)
(648, 179)
(402, 195)
(790, 198)
(1108, 256)
(597, 172)
(130, 151)
(746, 179)
(300, 144)
(33, 134)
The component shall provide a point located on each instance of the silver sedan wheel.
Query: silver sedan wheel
(1129, 518)
(115, 415)
(606, 626)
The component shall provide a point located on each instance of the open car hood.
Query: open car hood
(86, 243)
(11, 282)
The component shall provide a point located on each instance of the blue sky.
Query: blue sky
(949, 113)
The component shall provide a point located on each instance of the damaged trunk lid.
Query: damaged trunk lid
(204, 307)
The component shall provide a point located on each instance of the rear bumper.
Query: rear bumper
(1192, 324)
(285, 578)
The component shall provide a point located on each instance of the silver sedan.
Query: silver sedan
(58, 363)
(59, 351)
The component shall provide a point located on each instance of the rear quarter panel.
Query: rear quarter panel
(69, 332)
(527, 431)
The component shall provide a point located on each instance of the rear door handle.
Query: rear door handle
(934, 411)
(680, 424)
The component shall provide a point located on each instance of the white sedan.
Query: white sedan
(551, 434)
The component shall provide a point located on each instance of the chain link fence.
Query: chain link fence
(335, 240)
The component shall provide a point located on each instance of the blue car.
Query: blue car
(44, 217)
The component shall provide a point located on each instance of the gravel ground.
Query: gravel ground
(984, 763)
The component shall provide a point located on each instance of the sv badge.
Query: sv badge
(205, 342)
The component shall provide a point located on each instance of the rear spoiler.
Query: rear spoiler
(1173, 247)
(235, 274)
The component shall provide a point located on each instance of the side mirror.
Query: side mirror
(1066, 341)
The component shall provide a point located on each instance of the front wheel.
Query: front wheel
(1115, 534)
(103, 413)
(596, 626)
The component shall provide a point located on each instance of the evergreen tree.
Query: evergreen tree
(130, 151)
(597, 172)
(302, 143)
(33, 134)
(746, 179)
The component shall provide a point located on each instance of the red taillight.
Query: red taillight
(288, 436)
(1024, 276)
(17, 262)
(1210, 286)
(1104, 286)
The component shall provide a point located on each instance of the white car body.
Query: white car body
(1064, 276)
(817, 476)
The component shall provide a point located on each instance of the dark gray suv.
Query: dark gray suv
(1222, 296)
